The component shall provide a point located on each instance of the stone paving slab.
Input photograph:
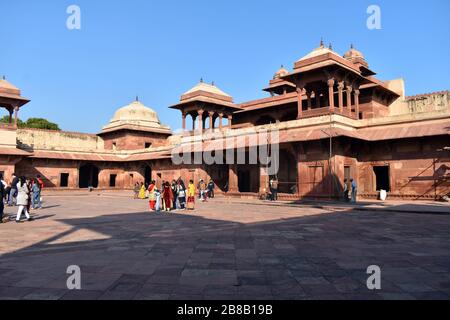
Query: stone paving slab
(225, 249)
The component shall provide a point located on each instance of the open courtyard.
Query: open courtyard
(224, 249)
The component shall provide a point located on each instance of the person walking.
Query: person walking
(354, 190)
(13, 190)
(23, 197)
(191, 195)
(2, 195)
(36, 190)
(181, 190)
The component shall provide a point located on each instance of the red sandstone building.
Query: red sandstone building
(335, 120)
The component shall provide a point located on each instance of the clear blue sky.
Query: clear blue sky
(160, 49)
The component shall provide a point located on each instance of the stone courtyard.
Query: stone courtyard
(225, 249)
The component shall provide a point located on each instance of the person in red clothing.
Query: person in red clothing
(167, 196)
(152, 195)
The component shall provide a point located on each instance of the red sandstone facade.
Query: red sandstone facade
(334, 118)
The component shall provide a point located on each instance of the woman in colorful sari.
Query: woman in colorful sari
(142, 191)
(167, 195)
(191, 195)
(152, 195)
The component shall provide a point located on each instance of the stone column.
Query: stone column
(200, 119)
(220, 120)
(232, 178)
(349, 99)
(331, 93)
(341, 96)
(230, 118)
(356, 94)
(183, 121)
(299, 103)
(211, 123)
(308, 94)
(16, 112)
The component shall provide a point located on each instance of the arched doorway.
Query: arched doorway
(88, 176)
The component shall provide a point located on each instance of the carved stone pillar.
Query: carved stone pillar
(211, 123)
(341, 96)
(230, 119)
(16, 113)
(349, 99)
(220, 120)
(200, 119)
(331, 94)
(299, 103)
(356, 94)
(183, 121)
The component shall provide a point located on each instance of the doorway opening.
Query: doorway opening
(244, 180)
(88, 176)
(112, 180)
(64, 180)
(147, 175)
(382, 178)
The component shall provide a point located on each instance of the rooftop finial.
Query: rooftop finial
(213, 83)
(201, 80)
(330, 46)
(321, 42)
(351, 46)
(282, 66)
(4, 77)
(137, 98)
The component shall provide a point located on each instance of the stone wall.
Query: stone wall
(36, 139)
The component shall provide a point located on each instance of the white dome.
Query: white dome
(135, 115)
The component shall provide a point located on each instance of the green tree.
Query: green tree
(40, 123)
(35, 123)
(5, 119)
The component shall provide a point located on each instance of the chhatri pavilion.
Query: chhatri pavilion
(334, 118)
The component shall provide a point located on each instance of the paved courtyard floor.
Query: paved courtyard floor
(225, 249)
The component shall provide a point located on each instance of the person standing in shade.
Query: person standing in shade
(136, 190)
(345, 191)
(142, 191)
(354, 190)
(23, 197)
(274, 189)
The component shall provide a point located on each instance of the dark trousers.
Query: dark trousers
(274, 193)
(2, 207)
(346, 199)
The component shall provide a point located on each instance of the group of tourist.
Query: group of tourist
(174, 195)
(21, 192)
